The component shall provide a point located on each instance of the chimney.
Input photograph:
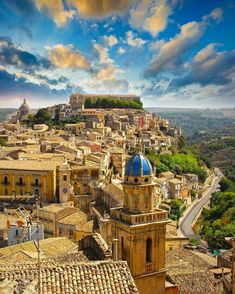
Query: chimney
(115, 249)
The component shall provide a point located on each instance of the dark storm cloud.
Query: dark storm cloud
(10, 54)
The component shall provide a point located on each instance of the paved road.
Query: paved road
(186, 222)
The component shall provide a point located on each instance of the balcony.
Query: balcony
(20, 184)
(36, 185)
(136, 219)
(5, 183)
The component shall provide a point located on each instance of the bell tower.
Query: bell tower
(140, 227)
(64, 183)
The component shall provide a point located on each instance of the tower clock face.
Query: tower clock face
(65, 190)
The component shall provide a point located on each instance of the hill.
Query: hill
(4, 113)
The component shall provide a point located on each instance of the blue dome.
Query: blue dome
(138, 165)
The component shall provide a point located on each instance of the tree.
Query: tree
(2, 142)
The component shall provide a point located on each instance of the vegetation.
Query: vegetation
(219, 220)
(2, 142)
(44, 117)
(113, 103)
(194, 241)
(178, 163)
(177, 208)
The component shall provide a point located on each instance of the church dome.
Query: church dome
(24, 105)
(138, 165)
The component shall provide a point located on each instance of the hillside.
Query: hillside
(219, 145)
(4, 112)
(197, 121)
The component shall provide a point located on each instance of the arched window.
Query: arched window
(5, 180)
(149, 250)
(36, 182)
(20, 180)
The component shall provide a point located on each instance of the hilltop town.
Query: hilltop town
(93, 194)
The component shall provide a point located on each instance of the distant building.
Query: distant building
(78, 100)
(21, 113)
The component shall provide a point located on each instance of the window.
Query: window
(146, 201)
(136, 180)
(64, 178)
(122, 248)
(146, 180)
(36, 182)
(5, 180)
(135, 202)
(20, 180)
(149, 250)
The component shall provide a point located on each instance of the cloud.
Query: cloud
(134, 41)
(216, 14)
(100, 8)
(171, 52)
(56, 10)
(209, 68)
(121, 50)
(13, 55)
(110, 40)
(67, 57)
(150, 15)
(14, 85)
(103, 54)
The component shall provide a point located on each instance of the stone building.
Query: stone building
(140, 227)
(77, 100)
(20, 177)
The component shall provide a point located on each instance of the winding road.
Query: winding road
(185, 226)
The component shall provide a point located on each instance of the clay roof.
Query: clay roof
(191, 273)
(92, 277)
(28, 165)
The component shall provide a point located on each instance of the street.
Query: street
(187, 220)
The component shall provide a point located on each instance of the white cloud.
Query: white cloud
(110, 40)
(103, 54)
(171, 52)
(67, 57)
(150, 15)
(55, 8)
(134, 41)
(121, 50)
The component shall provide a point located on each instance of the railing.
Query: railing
(36, 185)
(20, 183)
(159, 215)
(5, 183)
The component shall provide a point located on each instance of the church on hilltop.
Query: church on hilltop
(21, 113)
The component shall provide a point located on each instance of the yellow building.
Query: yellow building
(20, 177)
(140, 228)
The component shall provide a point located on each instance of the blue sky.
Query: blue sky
(173, 53)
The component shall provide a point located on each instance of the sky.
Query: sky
(172, 53)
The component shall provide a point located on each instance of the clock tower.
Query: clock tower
(140, 227)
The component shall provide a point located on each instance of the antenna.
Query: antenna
(37, 196)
